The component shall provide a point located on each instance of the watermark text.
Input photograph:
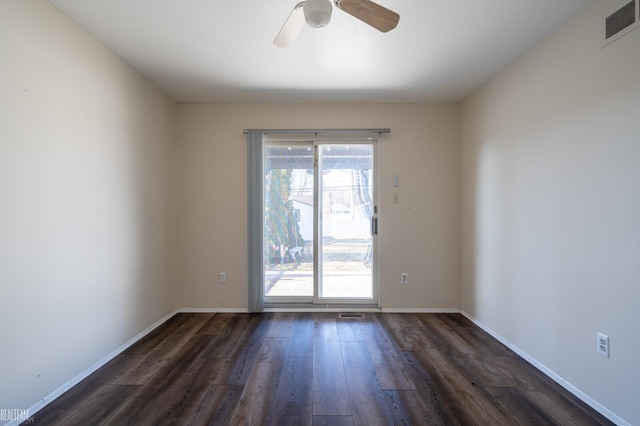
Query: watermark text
(15, 414)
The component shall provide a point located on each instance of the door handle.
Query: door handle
(374, 226)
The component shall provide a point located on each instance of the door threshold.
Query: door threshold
(292, 307)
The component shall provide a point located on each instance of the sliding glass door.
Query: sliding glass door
(288, 233)
(319, 223)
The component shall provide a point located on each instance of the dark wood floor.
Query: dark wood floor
(317, 369)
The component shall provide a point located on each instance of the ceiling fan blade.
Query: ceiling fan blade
(291, 27)
(371, 13)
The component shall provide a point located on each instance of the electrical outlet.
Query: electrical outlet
(603, 345)
(223, 277)
(404, 278)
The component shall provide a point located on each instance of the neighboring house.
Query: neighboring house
(341, 223)
(304, 215)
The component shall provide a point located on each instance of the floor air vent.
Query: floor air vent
(620, 22)
(352, 316)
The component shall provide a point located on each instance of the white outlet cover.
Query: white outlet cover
(603, 347)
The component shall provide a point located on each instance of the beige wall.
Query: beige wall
(87, 227)
(551, 208)
(419, 235)
(91, 251)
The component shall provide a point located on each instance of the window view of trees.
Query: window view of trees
(282, 230)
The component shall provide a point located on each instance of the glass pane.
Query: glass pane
(346, 210)
(288, 221)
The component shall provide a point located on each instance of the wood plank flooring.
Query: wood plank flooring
(317, 369)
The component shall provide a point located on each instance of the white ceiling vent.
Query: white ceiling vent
(620, 22)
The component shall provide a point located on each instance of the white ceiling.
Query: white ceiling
(222, 51)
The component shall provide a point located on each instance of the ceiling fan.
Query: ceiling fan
(317, 13)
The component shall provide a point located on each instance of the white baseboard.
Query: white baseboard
(421, 310)
(77, 379)
(351, 308)
(551, 374)
(213, 310)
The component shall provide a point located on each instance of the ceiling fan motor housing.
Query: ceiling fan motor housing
(317, 13)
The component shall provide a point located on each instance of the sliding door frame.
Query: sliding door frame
(256, 139)
(319, 234)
